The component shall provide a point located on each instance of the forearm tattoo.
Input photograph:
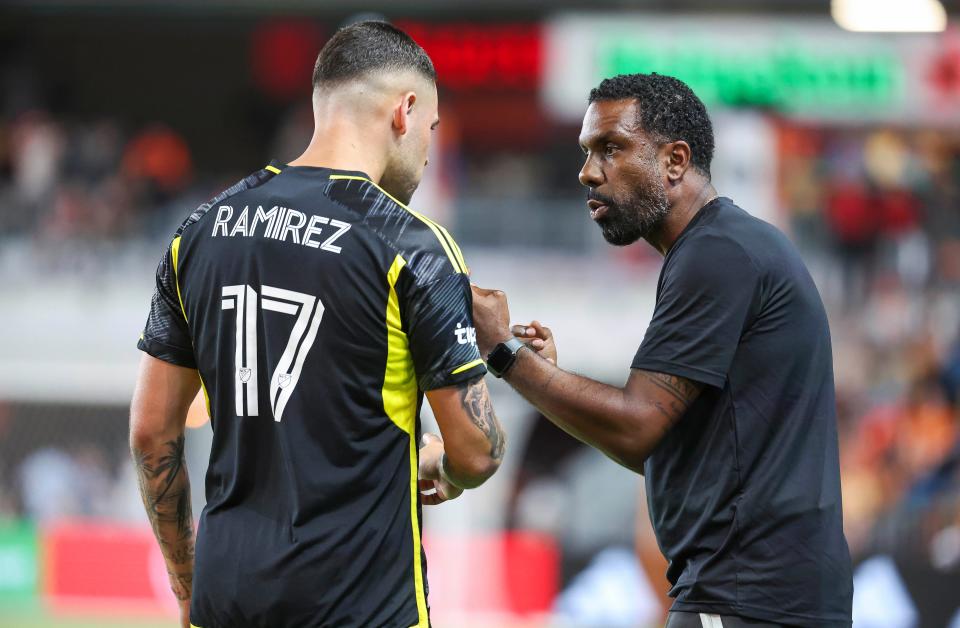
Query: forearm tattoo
(681, 390)
(476, 401)
(165, 488)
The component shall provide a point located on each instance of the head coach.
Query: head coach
(729, 407)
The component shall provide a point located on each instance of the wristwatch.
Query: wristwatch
(503, 356)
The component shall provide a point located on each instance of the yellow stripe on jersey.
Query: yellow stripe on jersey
(457, 252)
(272, 169)
(206, 397)
(399, 381)
(400, 404)
(466, 367)
(175, 254)
(437, 229)
(450, 242)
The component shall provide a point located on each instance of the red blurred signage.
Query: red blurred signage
(944, 73)
(282, 54)
(92, 567)
(482, 57)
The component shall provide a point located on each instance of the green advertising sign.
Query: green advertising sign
(798, 67)
(18, 562)
(790, 76)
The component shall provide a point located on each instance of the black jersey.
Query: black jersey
(317, 309)
(744, 491)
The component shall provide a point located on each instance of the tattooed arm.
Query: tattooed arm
(624, 423)
(473, 441)
(157, 417)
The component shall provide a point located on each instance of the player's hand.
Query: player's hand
(429, 477)
(539, 338)
(491, 317)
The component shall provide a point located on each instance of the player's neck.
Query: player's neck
(343, 147)
(340, 156)
(683, 208)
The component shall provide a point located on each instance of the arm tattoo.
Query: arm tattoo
(682, 390)
(476, 401)
(165, 488)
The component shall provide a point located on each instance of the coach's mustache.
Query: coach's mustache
(593, 195)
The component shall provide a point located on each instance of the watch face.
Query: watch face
(500, 359)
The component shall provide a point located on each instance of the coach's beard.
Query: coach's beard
(626, 222)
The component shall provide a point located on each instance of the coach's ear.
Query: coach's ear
(402, 112)
(676, 156)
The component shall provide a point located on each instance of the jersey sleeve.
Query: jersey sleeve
(443, 341)
(166, 335)
(708, 297)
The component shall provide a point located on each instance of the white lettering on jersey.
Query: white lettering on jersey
(264, 217)
(280, 223)
(465, 335)
(280, 218)
(224, 212)
(313, 229)
(294, 229)
(328, 243)
(240, 227)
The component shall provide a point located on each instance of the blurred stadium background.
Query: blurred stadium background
(118, 117)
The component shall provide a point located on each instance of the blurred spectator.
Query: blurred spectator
(159, 159)
(56, 484)
(46, 485)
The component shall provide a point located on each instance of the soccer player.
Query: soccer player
(729, 407)
(315, 309)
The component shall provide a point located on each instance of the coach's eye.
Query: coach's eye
(610, 149)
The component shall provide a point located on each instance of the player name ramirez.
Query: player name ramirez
(280, 223)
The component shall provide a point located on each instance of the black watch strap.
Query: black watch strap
(503, 356)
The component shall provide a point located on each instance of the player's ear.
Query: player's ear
(677, 158)
(402, 112)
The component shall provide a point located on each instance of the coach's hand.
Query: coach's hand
(539, 338)
(491, 317)
(429, 476)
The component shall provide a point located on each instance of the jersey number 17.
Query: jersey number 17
(247, 303)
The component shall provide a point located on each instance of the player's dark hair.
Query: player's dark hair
(669, 110)
(366, 47)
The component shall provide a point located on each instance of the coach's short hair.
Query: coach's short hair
(365, 47)
(669, 110)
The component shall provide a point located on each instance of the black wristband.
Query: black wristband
(503, 356)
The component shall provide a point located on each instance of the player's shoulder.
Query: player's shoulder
(728, 241)
(249, 182)
(427, 248)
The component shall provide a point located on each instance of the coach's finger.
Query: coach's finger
(429, 437)
(523, 331)
(541, 330)
(431, 500)
(485, 292)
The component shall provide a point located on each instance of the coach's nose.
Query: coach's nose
(591, 175)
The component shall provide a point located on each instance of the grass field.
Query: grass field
(40, 619)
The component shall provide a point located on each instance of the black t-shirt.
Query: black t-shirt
(317, 310)
(744, 491)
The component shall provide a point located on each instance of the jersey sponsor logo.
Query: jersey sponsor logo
(280, 223)
(465, 335)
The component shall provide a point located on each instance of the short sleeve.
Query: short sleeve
(708, 296)
(166, 335)
(443, 342)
